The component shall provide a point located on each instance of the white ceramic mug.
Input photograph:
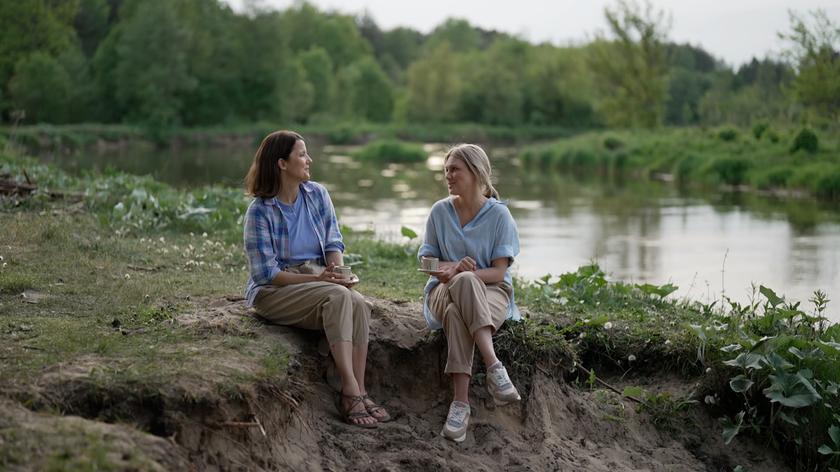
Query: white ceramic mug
(429, 263)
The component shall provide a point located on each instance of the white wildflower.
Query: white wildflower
(203, 235)
(667, 342)
(708, 370)
(631, 358)
(608, 325)
(582, 335)
(563, 300)
(162, 239)
(127, 276)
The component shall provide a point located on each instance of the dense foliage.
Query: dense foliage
(197, 62)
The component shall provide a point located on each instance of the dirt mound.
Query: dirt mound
(293, 425)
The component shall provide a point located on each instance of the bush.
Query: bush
(759, 129)
(828, 185)
(730, 170)
(392, 151)
(774, 177)
(612, 143)
(806, 140)
(773, 136)
(728, 134)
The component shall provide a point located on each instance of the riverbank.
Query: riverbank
(138, 327)
(69, 138)
(776, 161)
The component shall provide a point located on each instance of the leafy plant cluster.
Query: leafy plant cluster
(135, 204)
(800, 162)
(771, 367)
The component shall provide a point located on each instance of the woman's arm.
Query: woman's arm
(496, 272)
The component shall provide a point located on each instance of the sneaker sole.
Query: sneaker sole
(457, 440)
(500, 402)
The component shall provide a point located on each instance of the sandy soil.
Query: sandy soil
(557, 426)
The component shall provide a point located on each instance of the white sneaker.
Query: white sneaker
(500, 386)
(457, 420)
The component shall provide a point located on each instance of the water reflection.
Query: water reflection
(638, 230)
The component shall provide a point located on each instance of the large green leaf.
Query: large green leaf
(834, 432)
(740, 384)
(408, 232)
(746, 361)
(731, 428)
(771, 296)
(791, 390)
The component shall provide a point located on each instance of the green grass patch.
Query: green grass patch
(805, 161)
(392, 151)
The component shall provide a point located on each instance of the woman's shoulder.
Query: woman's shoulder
(499, 208)
(312, 186)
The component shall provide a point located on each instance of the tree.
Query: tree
(495, 79)
(815, 52)
(40, 87)
(366, 91)
(631, 68)
(319, 72)
(151, 70)
(433, 87)
(30, 26)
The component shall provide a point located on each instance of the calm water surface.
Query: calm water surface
(638, 231)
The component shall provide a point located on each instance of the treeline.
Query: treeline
(164, 63)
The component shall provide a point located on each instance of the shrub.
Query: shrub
(392, 151)
(730, 170)
(806, 140)
(759, 129)
(773, 136)
(728, 134)
(774, 177)
(828, 185)
(612, 143)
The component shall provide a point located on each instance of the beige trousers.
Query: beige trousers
(464, 305)
(342, 313)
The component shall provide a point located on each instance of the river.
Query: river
(707, 243)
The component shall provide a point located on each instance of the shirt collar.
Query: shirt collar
(304, 187)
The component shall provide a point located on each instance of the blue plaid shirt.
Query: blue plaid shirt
(267, 235)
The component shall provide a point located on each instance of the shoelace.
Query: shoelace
(456, 415)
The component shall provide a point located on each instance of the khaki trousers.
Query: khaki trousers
(342, 313)
(464, 305)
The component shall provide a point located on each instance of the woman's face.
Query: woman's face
(296, 167)
(459, 179)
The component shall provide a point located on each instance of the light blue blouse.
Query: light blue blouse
(490, 235)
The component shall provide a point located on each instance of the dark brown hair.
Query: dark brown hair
(263, 178)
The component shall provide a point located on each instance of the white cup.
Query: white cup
(345, 272)
(429, 263)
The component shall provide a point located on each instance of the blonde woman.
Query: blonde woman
(471, 294)
(292, 242)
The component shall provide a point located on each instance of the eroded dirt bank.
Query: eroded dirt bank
(293, 425)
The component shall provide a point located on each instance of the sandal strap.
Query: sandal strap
(373, 405)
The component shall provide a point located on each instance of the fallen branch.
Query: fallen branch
(9, 186)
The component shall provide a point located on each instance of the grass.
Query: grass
(115, 277)
(390, 150)
(716, 157)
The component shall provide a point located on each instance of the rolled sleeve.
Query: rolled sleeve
(507, 239)
(334, 241)
(430, 242)
(259, 249)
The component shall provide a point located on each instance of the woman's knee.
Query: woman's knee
(338, 294)
(469, 277)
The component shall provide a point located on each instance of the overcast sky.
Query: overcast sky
(734, 30)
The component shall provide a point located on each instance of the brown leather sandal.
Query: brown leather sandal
(372, 408)
(348, 415)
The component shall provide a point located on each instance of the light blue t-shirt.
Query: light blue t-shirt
(490, 235)
(304, 243)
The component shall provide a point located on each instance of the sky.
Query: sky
(732, 30)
